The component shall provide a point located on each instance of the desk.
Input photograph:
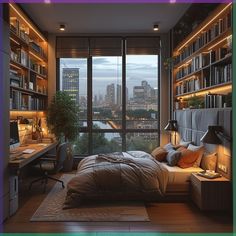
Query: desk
(16, 165)
(40, 149)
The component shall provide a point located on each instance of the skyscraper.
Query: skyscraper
(110, 96)
(70, 82)
(118, 95)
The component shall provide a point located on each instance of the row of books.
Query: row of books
(21, 101)
(37, 67)
(19, 30)
(17, 79)
(19, 56)
(188, 86)
(37, 49)
(202, 60)
(214, 100)
(207, 36)
(221, 74)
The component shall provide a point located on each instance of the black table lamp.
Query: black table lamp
(211, 135)
(172, 126)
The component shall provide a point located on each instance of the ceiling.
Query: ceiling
(105, 18)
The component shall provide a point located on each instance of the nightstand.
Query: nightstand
(211, 194)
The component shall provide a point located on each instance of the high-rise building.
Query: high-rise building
(118, 95)
(110, 96)
(70, 82)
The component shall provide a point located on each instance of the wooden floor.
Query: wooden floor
(182, 217)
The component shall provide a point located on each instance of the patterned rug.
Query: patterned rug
(51, 209)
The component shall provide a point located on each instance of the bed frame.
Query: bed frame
(192, 124)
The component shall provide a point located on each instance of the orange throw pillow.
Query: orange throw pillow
(188, 158)
(159, 154)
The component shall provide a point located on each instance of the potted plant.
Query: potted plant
(62, 120)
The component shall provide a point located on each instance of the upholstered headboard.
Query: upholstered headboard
(192, 124)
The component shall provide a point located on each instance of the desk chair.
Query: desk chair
(52, 164)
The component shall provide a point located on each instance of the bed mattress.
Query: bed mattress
(179, 178)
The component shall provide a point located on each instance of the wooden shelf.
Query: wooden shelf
(207, 89)
(32, 51)
(225, 34)
(27, 91)
(225, 59)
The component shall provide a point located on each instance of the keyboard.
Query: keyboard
(28, 151)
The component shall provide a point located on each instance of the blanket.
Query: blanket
(133, 175)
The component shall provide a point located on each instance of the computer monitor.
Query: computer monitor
(14, 135)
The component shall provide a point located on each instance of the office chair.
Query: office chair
(52, 164)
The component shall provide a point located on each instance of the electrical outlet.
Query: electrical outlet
(223, 168)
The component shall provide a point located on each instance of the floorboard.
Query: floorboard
(168, 217)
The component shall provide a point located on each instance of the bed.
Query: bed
(133, 175)
(136, 175)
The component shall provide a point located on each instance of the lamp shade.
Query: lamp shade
(210, 136)
(171, 126)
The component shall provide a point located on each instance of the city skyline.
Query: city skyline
(108, 70)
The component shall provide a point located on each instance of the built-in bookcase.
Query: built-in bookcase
(28, 63)
(202, 70)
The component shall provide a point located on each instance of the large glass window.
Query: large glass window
(117, 92)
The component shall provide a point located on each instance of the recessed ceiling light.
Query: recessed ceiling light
(47, 1)
(62, 27)
(155, 27)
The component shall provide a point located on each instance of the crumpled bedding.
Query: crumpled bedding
(133, 175)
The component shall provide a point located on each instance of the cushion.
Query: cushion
(159, 154)
(173, 157)
(169, 146)
(184, 143)
(200, 153)
(209, 161)
(188, 158)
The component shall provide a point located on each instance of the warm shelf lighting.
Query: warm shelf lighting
(40, 59)
(208, 23)
(219, 42)
(17, 67)
(13, 40)
(27, 22)
(223, 88)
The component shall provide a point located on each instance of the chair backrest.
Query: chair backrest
(61, 155)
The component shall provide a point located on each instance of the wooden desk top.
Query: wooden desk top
(40, 149)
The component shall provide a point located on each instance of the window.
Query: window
(115, 83)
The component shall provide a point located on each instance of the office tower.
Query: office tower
(110, 96)
(70, 82)
(118, 95)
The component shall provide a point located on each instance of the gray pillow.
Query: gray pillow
(173, 157)
(169, 146)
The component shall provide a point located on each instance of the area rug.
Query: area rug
(51, 209)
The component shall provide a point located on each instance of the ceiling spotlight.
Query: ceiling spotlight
(62, 27)
(156, 27)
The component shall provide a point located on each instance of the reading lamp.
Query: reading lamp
(211, 135)
(172, 126)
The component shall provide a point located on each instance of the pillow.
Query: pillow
(159, 154)
(209, 161)
(188, 158)
(169, 146)
(184, 143)
(197, 148)
(173, 157)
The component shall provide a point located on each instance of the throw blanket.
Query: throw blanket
(132, 175)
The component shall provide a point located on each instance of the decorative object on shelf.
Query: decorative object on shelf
(211, 136)
(172, 127)
(62, 120)
(195, 102)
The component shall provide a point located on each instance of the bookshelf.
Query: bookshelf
(28, 64)
(202, 70)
